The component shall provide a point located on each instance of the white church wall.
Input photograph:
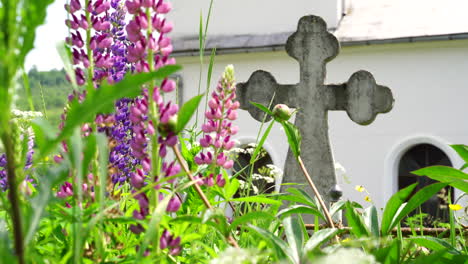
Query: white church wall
(428, 84)
(241, 16)
(430, 87)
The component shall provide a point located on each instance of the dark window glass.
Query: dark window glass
(262, 180)
(421, 156)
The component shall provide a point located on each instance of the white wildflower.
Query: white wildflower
(237, 256)
(254, 189)
(275, 172)
(237, 150)
(249, 151)
(347, 255)
(257, 176)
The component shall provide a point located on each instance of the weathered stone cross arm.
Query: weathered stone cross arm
(261, 88)
(361, 97)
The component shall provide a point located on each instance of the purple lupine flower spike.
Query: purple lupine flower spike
(218, 128)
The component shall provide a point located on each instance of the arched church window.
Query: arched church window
(421, 156)
(257, 178)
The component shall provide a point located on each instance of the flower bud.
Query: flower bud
(170, 126)
(282, 112)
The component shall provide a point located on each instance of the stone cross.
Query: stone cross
(362, 99)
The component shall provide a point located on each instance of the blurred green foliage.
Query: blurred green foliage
(55, 88)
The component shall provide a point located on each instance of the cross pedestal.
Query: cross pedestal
(362, 99)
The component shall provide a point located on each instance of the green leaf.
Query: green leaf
(293, 198)
(319, 238)
(89, 151)
(27, 89)
(393, 253)
(371, 220)
(65, 55)
(355, 221)
(201, 46)
(300, 209)
(44, 133)
(221, 224)
(262, 107)
(251, 216)
(187, 111)
(103, 160)
(448, 172)
(6, 245)
(303, 194)
(48, 180)
(210, 71)
(294, 137)
(231, 188)
(102, 101)
(260, 143)
(280, 248)
(33, 14)
(435, 244)
(152, 232)
(453, 177)
(420, 197)
(435, 257)
(392, 207)
(462, 151)
(256, 199)
(295, 237)
(336, 207)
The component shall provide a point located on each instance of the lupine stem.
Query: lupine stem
(13, 196)
(88, 47)
(200, 192)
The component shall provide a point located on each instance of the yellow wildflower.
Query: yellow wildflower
(455, 207)
(345, 240)
(367, 199)
(359, 188)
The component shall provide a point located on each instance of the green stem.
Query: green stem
(27, 88)
(88, 48)
(43, 101)
(200, 192)
(13, 196)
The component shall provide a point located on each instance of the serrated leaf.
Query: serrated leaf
(186, 112)
(251, 216)
(51, 178)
